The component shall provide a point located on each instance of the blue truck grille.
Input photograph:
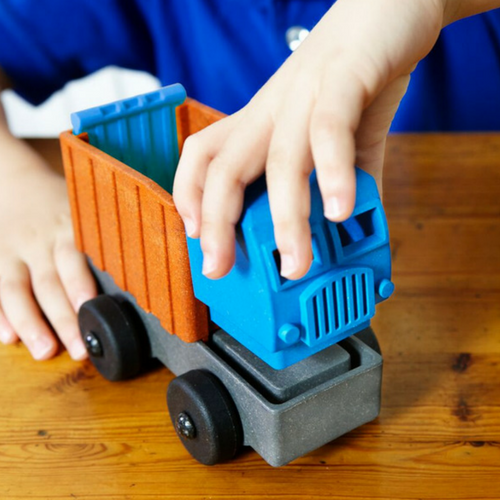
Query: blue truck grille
(343, 301)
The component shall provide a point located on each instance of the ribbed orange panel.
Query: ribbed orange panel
(107, 202)
(185, 304)
(130, 215)
(192, 117)
(67, 155)
(157, 264)
(83, 171)
(140, 229)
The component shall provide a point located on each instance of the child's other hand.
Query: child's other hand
(43, 278)
(329, 106)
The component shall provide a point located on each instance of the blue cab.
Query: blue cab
(284, 321)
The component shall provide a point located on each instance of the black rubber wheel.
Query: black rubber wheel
(370, 339)
(204, 417)
(113, 337)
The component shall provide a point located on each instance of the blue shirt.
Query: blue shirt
(223, 51)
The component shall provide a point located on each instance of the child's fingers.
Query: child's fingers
(23, 313)
(240, 161)
(74, 273)
(54, 302)
(289, 165)
(7, 333)
(333, 122)
(198, 151)
(375, 123)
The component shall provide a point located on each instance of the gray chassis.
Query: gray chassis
(284, 413)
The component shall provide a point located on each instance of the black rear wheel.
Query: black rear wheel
(114, 338)
(204, 417)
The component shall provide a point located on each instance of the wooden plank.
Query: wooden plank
(438, 434)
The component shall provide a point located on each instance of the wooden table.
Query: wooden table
(67, 433)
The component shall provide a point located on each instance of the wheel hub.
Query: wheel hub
(185, 426)
(93, 344)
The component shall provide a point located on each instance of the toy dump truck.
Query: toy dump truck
(281, 366)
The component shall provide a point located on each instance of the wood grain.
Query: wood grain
(67, 433)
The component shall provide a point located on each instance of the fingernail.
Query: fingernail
(77, 350)
(209, 264)
(190, 226)
(41, 347)
(5, 337)
(334, 208)
(288, 265)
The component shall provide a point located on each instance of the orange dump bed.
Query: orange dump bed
(129, 227)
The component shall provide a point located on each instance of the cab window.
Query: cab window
(361, 232)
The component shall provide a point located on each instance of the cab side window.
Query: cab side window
(360, 233)
(356, 228)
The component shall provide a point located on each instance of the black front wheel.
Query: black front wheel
(114, 339)
(204, 417)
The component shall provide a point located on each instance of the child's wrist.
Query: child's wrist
(454, 10)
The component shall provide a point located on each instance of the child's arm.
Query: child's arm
(43, 278)
(329, 106)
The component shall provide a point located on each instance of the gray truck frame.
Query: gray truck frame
(286, 413)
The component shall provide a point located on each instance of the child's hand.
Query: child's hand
(329, 106)
(43, 279)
